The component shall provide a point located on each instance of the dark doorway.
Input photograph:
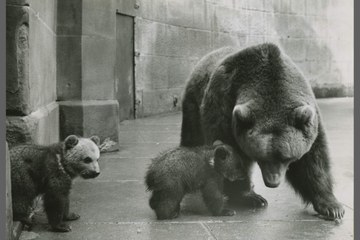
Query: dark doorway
(124, 69)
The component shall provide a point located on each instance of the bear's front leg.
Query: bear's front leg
(214, 199)
(241, 192)
(310, 176)
(55, 204)
(69, 216)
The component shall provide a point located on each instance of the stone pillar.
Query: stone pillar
(85, 69)
(9, 215)
(31, 72)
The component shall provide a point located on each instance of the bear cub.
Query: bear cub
(49, 170)
(183, 170)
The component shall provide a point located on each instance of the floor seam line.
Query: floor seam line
(208, 230)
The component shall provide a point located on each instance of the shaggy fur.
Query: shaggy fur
(184, 170)
(49, 170)
(258, 101)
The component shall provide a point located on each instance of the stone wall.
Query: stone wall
(171, 36)
(31, 71)
(63, 53)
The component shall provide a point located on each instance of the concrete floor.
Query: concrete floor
(115, 205)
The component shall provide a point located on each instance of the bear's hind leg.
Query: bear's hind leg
(168, 205)
(191, 130)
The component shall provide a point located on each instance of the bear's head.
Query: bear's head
(226, 161)
(274, 136)
(81, 155)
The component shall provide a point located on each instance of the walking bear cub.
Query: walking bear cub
(49, 170)
(184, 170)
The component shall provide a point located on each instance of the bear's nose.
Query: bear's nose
(96, 174)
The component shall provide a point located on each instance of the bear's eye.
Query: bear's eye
(87, 160)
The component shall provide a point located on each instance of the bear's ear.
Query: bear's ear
(242, 115)
(304, 115)
(221, 153)
(95, 139)
(217, 143)
(71, 141)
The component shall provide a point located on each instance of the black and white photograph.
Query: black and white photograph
(179, 119)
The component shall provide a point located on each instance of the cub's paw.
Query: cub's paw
(330, 210)
(253, 199)
(227, 212)
(71, 217)
(62, 227)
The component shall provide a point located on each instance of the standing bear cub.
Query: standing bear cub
(258, 101)
(49, 170)
(184, 170)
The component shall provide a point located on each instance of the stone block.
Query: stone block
(8, 199)
(198, 43)
(269, 22)
(299, 27)
(313, 7)
(46, 11)
(18, 2)
(281, 25)
(99, 19)
(256, 23)
(269, 6)
(295, 48)
(227, 39)
(180, 13)
(69, 67)
(160, 101)
(256, 5)
(281, 6)
(87, 118)
(17, 59)
(202, 15)
(128, 7)
(40, 127)
(153, 10)
(98, 62)
(42, 63)
(297, 7)
(69, 17)
(230, 20)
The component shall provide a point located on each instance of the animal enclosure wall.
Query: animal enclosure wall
(63, 57)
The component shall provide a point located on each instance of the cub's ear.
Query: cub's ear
(304, 115)
(95, 139)
(71, 141)
(217, 143)
(221, 153)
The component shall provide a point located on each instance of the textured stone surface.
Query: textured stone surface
(115, 204)
(87, 118)
(9, 215)
(41, 126)
(17, 58)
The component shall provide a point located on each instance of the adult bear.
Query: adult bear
(259, 102)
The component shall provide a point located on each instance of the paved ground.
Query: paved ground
(115, 205)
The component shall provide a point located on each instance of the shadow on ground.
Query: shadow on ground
(115, 205)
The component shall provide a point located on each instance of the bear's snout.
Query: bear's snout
(90, 174)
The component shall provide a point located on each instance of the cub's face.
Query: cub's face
(226, 162)
(82, 155)
(275, 140)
